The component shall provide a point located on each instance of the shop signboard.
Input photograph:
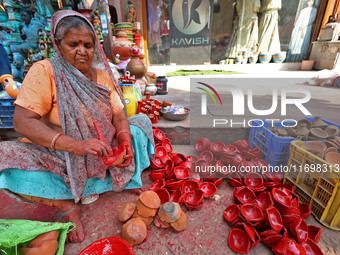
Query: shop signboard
(190, 23)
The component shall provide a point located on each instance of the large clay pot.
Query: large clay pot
(121, 46)
(136, 66)
(9, 85)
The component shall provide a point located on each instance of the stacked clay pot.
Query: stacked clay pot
(173, 176)
(270, 212)
(144, 211)
(46, 244)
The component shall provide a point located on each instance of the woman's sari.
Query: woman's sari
(80, 102)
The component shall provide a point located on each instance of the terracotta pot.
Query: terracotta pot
(134, 231)
(170, 212)
(9, 85)
(150, 199)
(136, 66)
(319, 123)
(121, 46)
(126, 211)
(239, 241)
(273, 219)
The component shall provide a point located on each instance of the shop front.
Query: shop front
(200, 32)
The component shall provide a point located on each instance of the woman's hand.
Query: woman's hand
(129, 155)
(92, 146)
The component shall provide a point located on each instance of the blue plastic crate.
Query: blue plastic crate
(274, 148)
(6, 113)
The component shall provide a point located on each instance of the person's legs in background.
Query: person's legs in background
(5, 66)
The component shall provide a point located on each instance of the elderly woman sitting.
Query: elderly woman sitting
(59, 100)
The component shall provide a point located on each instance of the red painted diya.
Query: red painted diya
(288, 246)
(163, 194)
(207, 156)
(194, 198)
(189, 185)
(273, 219)
(251, 232)
(253, 180)
(314, 233)
(264, 201)
(159, 135)
(156, 175)
(244, 195)
(176, 197)
(251, 213)
(305, 210)
(217, 147)
(208, 188)
(288, 219)
(160, 151)
(312, 248)
(173, 184)
(232, 214)
(299, 230)
(239, 241)
(158, 184)
(242, 145)
(167, 145)
(281, 198)
(202, 144)
(182, 172)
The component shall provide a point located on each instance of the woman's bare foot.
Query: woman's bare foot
(73, 215)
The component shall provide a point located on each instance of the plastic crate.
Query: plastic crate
(274, 148)
(6, 113)
(320, 189)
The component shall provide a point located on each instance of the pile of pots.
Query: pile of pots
(144, 211)
(270, 212)
(174, 177)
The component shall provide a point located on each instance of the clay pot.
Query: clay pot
(319, 123)
(189, 185)
(158, 184)
(253, 180)
(182, 172)
(299, 230)
(333, 158)
(150, 199)
(209, 189)
(232, 214)
(145, 211)
(161, 224)
(202, 144)
(121, 46)
(181, 224)
(251, 213)
(239, 241)
(264, 201)
(207, 156)
(314, 233)
(244, 195)
(126, 211)
(173, 184)
(332, 131)
(163, 195)
(318, 133)
(281, 198)
(169, 212)
(302, 130)
(273, 219)
(312, 248)
(134, 231)
(176, 197)
(288, 246)
(305, 210)
(251, 232)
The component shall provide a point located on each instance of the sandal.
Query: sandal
(90, 199)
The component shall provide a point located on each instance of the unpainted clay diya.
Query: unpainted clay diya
(144, 210)
(160, 224)
(170, 212)
(181, 224)
(134, 231)
(147, 220)
(126, 211)
(150, 199)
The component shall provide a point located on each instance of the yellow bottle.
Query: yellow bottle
(129, 98)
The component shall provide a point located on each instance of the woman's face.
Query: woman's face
(77, 47)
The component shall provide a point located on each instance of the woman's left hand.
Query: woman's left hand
(129, 155)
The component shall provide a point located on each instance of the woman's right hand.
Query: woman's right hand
(91, 146)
